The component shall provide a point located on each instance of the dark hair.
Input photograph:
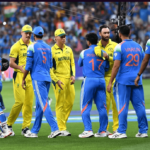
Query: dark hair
(125, 30)
(92, 38)
(39, 36)
(103, 26)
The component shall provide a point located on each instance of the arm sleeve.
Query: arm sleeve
(98, 51)
(51, 60)
(72, 65)
(29, 61)
(53, 76)
(147, 50)
(117, 53)
(13, 51)
(80, 60)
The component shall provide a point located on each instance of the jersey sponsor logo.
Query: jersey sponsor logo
(63, 58)
(67, 52)
(57, 53)
(110, 49)
(22, 49)
(24, 54)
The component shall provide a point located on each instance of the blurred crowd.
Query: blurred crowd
(77, 18)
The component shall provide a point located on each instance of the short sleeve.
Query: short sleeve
(117, 53)
(147, 50)
(30, 51)
(14, 51)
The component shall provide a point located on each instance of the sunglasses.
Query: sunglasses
(62, 36)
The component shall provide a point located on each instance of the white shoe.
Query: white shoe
(102, 134)
(4, 135)
(13, 133)
(31, 135)
(117, 136)
(86, 134)
(65, 133)
(54, 134)
(108, 133)
(141, 135)
(25, 131)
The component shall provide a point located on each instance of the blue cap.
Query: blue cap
(38, 31)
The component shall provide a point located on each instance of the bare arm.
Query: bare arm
(143, 66)
(12, 64)
(113, 74)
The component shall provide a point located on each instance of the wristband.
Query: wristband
(139, 74)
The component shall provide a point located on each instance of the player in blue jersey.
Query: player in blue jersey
(128, 57)
(93, 87)
(3, 125)
(144, 62)
(39, 62)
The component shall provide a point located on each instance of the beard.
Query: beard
(105, 39)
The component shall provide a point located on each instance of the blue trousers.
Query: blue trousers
(1, 99)
(41, 90)
(123, 94)
(93, 88)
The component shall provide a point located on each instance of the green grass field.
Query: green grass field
(72, 143)
(8, 96)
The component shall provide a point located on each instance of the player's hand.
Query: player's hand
(109, 87)
(72, 80)
(22, 69)
(24, 84)
(105, 55)
(59, 84)
(136, 81)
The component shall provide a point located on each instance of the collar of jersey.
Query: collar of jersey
(57, 47)
(39, 41)
(128, 40)
(22, 43)
(92, 45)
(100, 44)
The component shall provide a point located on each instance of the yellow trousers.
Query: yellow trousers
(23, 100)
(64, 101)
(110, 99)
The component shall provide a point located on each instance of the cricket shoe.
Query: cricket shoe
(4, 135)
(141, 135)
(117, 135)
(31, 135)
(108, 133)
(101, 134)
(25, 131)
(65, 133)
(86, 134)
(54, 134)
(10, 128)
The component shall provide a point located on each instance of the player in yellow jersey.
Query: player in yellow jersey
(63, 78)
(108, 46)
(23, 98)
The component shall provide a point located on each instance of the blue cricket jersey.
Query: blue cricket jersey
(131, 55)
(147, 50)
(0, 68)
(93, 66)
(39, 61)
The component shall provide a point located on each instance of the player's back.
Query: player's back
(42, 61)
(93, 66)
(131, 55)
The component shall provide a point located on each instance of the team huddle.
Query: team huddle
(112, 75)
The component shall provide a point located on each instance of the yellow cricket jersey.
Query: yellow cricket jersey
(109, 49)
(19, 51)
(63, 63)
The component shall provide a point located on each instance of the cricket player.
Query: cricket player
(3, 125)
(128, 57)
(23, 98)
(63, 79)
(93, 87)
(144, 62)
(105, 44)
(39, 62)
